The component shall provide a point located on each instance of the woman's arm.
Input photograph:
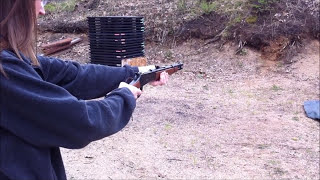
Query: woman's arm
(84, 81)
(47, 115)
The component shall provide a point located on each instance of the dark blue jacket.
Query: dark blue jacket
(40, 113)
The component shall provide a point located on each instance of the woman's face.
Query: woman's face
(39, 8)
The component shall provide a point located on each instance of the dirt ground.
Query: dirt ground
(224, 116)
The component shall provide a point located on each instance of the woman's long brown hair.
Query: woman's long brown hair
(17, 28)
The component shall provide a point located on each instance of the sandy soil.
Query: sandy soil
(224, 116)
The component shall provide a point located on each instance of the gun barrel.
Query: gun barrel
(177, 67)
(169, 69)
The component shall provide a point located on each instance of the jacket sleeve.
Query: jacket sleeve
(47, 115)
(84, 81)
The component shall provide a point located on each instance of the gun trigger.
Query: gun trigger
(129, 80)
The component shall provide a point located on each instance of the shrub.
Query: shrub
(208, 7)
(68, 5)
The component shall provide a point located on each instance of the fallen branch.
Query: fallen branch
(58, 46)
(57, 43)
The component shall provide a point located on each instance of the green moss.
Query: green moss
(238, 19)
(252, 19)
(50, 7)
(68, 5)
(182, 5)
(276, 88)
(260, 6)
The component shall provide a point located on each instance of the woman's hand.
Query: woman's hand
(135, 91)
(164, 77)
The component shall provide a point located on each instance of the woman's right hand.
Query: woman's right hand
(135, 91)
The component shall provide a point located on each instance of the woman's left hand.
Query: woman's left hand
(164, 77)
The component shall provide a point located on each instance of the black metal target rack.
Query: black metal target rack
(114, 38)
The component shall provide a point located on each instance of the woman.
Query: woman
(42, 100)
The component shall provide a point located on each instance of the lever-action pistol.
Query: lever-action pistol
(144, 78)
